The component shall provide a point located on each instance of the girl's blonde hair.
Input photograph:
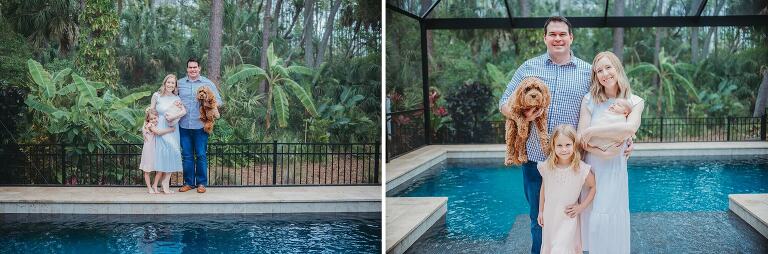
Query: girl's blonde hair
(162, 86)
(597, 91)
(568, 131)
(147, 114)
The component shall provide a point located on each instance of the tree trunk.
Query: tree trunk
(694, 44)
(309, 13)
(618, 33)
(694, 33)
(293, 21)
(327, 33)
(264, 64)
(762, 94)
(276, 17)
(712, 30)
(214, 50)
(525, 11)
(656, 51)
(264, 46)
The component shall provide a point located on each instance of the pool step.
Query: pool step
(240, 200)
(752, 208)
(410, 217)
(667, 232)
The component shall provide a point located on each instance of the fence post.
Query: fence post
(63, 165)
(762, 127)
(728, 128)
(274, 162)
(376, 164)
(661, 132)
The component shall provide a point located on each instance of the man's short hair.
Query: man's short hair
(193, 59)
(558, 19)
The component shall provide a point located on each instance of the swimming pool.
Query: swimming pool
(675, 203)
(279, 233)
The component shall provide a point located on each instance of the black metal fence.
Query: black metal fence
(230, 164)
(652, 130)
(405, 132)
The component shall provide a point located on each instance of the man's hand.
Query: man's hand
(533, 114)
(630, 148)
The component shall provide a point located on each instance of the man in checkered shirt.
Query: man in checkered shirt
(568, 79)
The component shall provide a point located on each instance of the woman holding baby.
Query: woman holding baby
(605, 127)
(169, 109)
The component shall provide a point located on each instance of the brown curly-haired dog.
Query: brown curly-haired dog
(531, 93)
(209, 108)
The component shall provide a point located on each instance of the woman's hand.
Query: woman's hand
(585, 136)
(540, 219)
(630, 147)
(573, 210)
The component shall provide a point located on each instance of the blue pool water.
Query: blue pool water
(299, 233)
(485, 200)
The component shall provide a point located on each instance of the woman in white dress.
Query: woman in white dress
(605, 224)
(167, 104)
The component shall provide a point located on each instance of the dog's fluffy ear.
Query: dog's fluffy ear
(520, 91)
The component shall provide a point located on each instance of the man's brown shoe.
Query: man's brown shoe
(185, 188)
(200, 189)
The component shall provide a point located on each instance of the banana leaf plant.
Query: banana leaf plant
(78, 113)
(279, 80)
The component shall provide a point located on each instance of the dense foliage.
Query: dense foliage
(693, 72)
(333, 69)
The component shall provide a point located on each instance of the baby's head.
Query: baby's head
(621, 106)
(150, 116)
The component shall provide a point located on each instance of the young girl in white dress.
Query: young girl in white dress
(149, 130)
(564, 176)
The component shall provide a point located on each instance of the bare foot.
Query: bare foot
(151, 191)
(168, 191)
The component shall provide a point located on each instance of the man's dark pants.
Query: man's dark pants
(532, 186)
(194, 143)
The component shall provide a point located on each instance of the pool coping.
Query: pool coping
(246, 200)
(408, 218)
(405, 168)
(752, 208)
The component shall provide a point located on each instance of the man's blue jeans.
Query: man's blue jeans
(532, 186)
(194, 143)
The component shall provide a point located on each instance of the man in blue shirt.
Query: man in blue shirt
(194, 141)
(568, 79)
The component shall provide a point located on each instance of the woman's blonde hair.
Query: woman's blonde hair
(162, 86)
(598, 91)
(568, 131)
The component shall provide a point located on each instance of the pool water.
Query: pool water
(281, 233)
(486, 203)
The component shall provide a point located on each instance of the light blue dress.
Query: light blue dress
(167, 147)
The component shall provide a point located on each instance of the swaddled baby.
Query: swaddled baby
(616, 113)
(175, 111)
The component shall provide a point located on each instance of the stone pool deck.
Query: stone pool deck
(403, 169)
(231, 200)
(752, 208)
(409, 218)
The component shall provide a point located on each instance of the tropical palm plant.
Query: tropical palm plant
(278, 79)
(75, 114)
(671, 79)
